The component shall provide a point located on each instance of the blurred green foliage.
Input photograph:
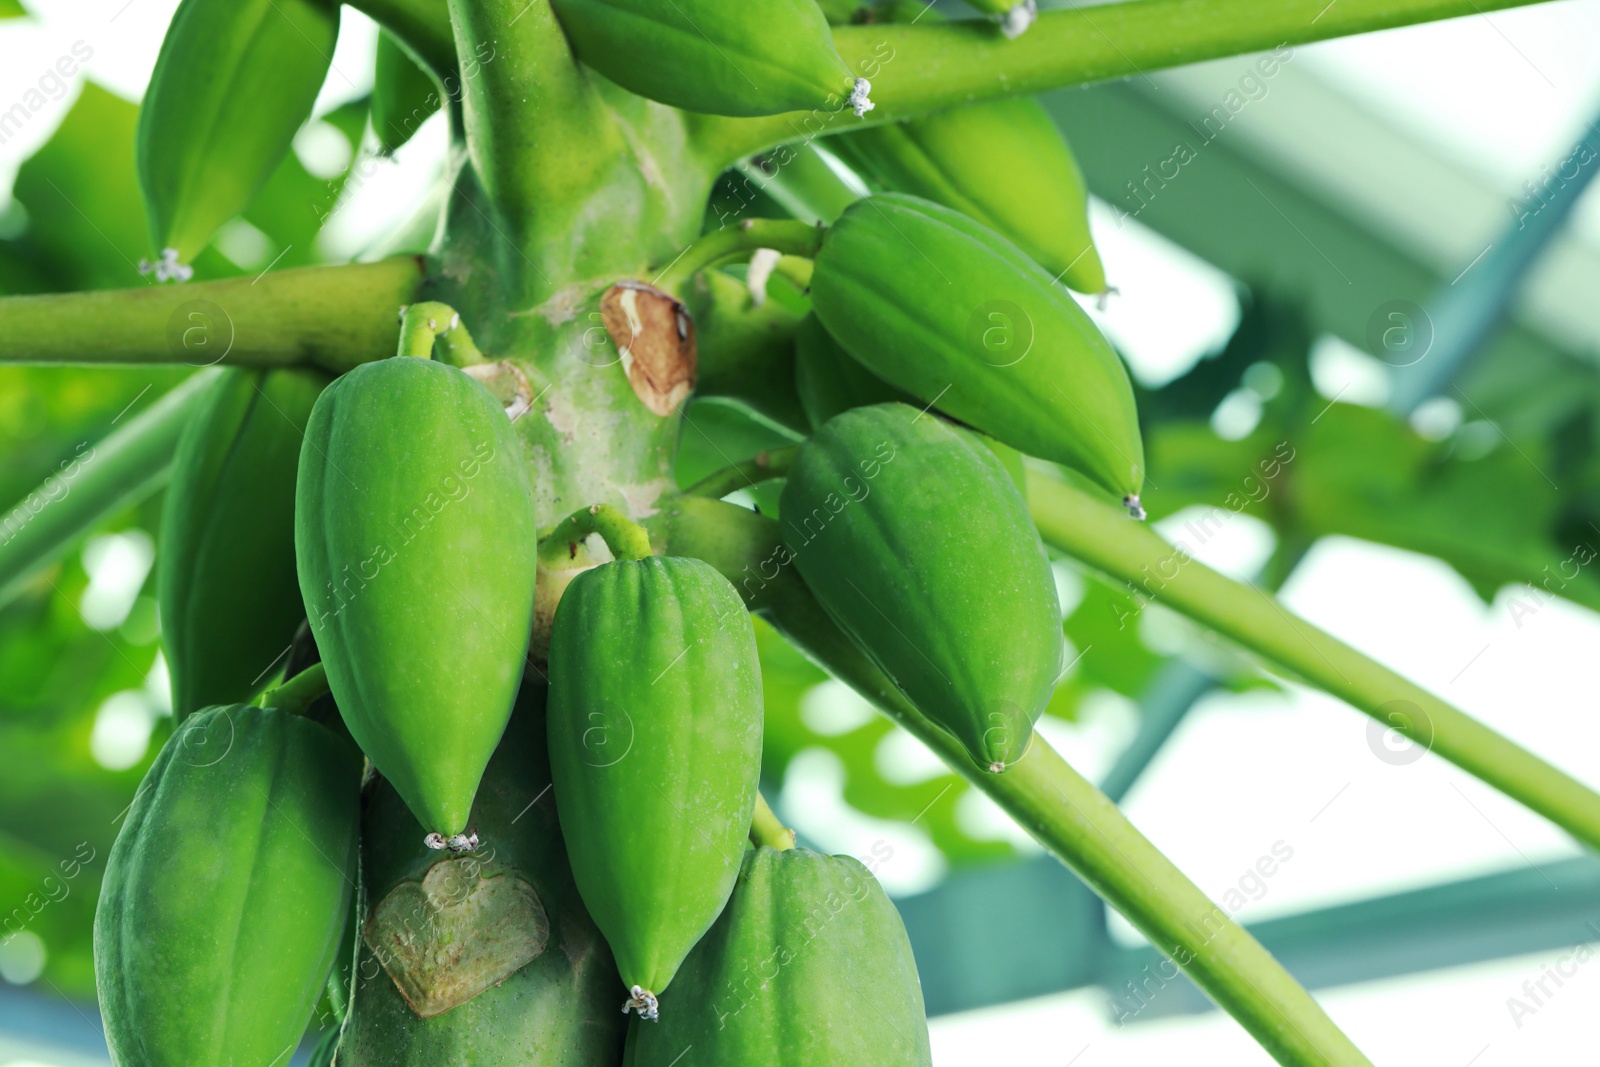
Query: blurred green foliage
(83, 226)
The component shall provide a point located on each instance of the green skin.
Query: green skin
(962, 616)
(748, 59)
(559, 1010)
(413, 521)
(809, 966)
(234, 81)
(1004, 164)
(226, 581)
(404, 95)
(830, 380)
(655, 745)
(985, 334)
(227, 890)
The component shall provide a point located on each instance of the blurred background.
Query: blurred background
(1376, 264)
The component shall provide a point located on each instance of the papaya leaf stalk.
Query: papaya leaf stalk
(928, 66)
(123, 468)
(331, 317)
(1098, 535)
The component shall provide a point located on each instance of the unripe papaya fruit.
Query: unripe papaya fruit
(831, 380)
(655, 750)
(414, 535)
(404, 94)
(720, 57)
(234, 81)
(1002, 163)
(959, 317)
(226, 891)
(809, 966)
(495, 945)
(225, 584)
(914, 540)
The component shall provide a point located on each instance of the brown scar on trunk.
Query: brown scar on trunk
(457, 932)
(653, 332)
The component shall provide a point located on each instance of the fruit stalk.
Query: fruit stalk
(423, 324)
(929, 66)
(295, 696)
(733, 242)
(1095, 533)
(765, 465)
(625, 538)
(123, 468)
(331, 317)
(767, 829)
(1058, 806)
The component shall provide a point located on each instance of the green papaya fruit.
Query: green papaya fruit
(961, 318)
(414, 535)
(404, 94)
(225, 581)
(226, 891)
(232, 84)
(720, 57)
(495, 945)
(915, 541)
(1002, 163)
(809, 966)
(830, 380)
(655, 747)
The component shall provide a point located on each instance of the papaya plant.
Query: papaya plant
(539, 644)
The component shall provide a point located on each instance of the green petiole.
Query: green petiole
(626, 538)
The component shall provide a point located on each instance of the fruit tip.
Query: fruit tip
(455, 843)
(859, 101)
(997, 767)
(167, 268)
(1016, 21)
(1136, 509)
(644, 1002)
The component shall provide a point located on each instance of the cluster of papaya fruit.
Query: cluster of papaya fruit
(473, 852)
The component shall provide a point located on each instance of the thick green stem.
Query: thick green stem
(423, 324)
(731, 242)
(932, 65)
(541, 140)
(1105, 539)
(765, 465)
(626, 538)
(333, 317)
(767, 829)
(296, 695)
(422, 24)
(1041, 792)
(128, 465)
